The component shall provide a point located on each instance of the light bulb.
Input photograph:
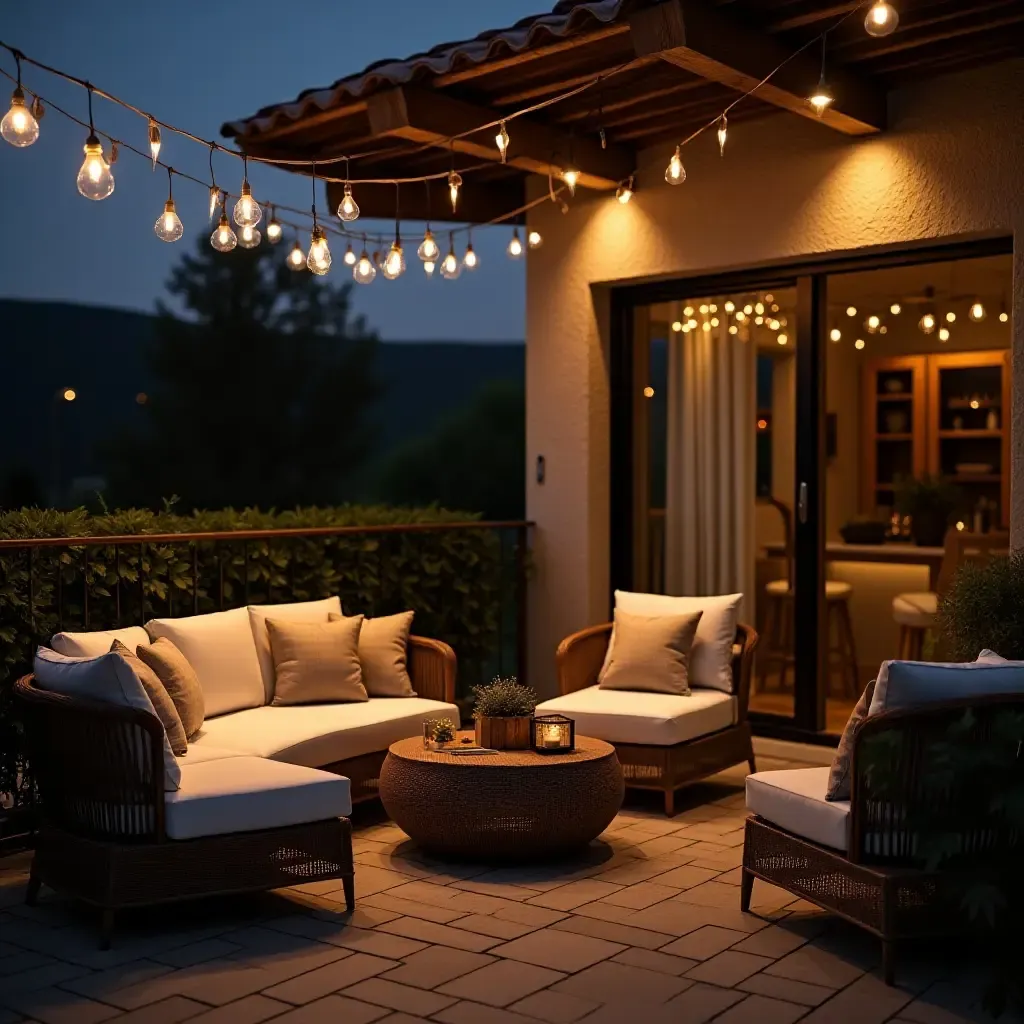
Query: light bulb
(214, 200)
(319, 257)
(758, 308)
(881, 19)
(624, 192)
(296, 258)
(534, 240)
(851, 310)
(154, 141)
(470, 260)
(740, 315)
(168, 225)
(895, 309)
(927, 323)
(364, 271)
(223, 238)
(733, 329)
(723, 128)
(348, 208)
(501, 141)
(677, 326)
(274, 229)
(247, 210)
(1004, 317)
(714, 322)
(95, 180)
(429, 266)
(977, 312)
(782, 339)
(730, 306)
(835, 334)
(394, 262)
(428, 249)
(69, 394)
(704, 308)
(571, 177)
(872, 323)
(858, 344)
(350, 256)
(748, 309)
(821, 99)
(19, 127)
(943, 334)
(951, 317)
(249, 237)
(758, 320)
(450, 266)
(515, 246)
(675, 173)
(454, 184)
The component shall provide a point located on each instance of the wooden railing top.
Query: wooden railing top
(242, 535)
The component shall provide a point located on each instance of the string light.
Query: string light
(723, 129)
(450, 266)
(782, 339)
(274, 229)
(835, 334)
(625, 191)
(348, 208)
(168, 225)
(364, 271)
(249, 237)
(319, 257)
(454, 184)
(873, 323)
(881, 19)
(223, 238)
(501, 141)
(1003, 315)
(429, 266)
(927, 323)
(214, 199)
(943, 334)
(429, 249)
(349, 258)
(821, 99)
(247, 210)
(19, 126)
(859, 344)
(515, 245)
(394, 262)
(675, 173)
(851, 310)
(95, 180)
(730, 306)
(951, 317)
(895, 309)
(154, 141)
(534, 240)
(470, 260)
(977, 312)
(571, 176)
(296, 258)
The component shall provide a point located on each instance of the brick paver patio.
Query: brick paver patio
(645, 928)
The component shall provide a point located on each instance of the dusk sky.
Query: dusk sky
(198, 64)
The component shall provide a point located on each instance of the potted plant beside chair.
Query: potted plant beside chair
(502, 712)
(929, 501)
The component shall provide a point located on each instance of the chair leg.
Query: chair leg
(770, 616)
(786, 642)
(106, 927)
(746, 890)
(349, 885)
(849, 648)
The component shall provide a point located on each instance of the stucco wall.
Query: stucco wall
(951, 166)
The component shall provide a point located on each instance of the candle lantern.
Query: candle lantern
(552, 734)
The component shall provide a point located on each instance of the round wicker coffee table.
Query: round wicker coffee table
(512, 806)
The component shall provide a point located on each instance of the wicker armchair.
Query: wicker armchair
(880, 882)
(667, 768)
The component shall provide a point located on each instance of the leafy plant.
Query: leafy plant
(983, 608)
(442, 730)
(504, 698)
(929, 501)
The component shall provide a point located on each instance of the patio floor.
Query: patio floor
(643, 928)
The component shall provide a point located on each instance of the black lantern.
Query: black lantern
(552, 734)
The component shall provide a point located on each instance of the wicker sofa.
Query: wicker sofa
(663, 742)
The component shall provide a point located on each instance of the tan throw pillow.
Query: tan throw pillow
(162, 703)
(383, 654)
(316, 662)
(839, 777)
(180, 681)
(650, 654)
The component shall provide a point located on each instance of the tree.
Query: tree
(475, 459)
(259, 397)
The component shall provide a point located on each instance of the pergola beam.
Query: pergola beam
(707, 41)
(431, 119)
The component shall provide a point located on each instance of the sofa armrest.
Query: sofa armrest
(579, 657)
(432, 668)
(743, 667)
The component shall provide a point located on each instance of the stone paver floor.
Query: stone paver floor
(643, 928)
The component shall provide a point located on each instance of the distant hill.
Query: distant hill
(100, 352)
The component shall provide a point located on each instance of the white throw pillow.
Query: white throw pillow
(711, 654)
(221, 650)
(92, 645)
(298, 611)
(107, 678)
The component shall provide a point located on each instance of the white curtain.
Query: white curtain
(710, 495)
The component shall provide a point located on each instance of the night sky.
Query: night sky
(197, 64)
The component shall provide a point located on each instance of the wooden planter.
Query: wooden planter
(504, 733)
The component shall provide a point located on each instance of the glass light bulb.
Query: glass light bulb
(19, 127)
(851, 310)
(429, 266)
(515, 246)
(723, 128)
(624, 193)
(249, 237)
(223, 238)
(782, 339)
(858, 344)
(454, 184)
(730, 306)
(977, 312)
(1004, 317)
(571, 177)
(895, 309)
(296, 258)
(501, 141)
(470, 260)
(951, 317)
(758, 308)
(154, 141)
(881, 19)
(274, 231)
(168, 225)
(319, 258)
(534, 240)
(247, 210)
(350, 256)
(675, 173)
(364, 271)
(394, 262)
(873, 323)
(943, 334)
(428, 249)
(214, 200)
(450, 266)
(927, 323)
(835, 334)
(348, 208)
(821, 99)
(95, 180)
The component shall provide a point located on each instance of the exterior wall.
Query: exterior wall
(950, 167)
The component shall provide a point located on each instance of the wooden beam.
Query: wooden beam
(431, 119)
(708, 41)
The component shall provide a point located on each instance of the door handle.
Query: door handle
(801, 503)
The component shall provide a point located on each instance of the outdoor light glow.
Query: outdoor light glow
(677, 325)
(348, 208)
(534, 240)
(450, 266)
(319, 258)
(943, 334)
(249, 237)
(168, 225)
(782, 339)
(154, 141)
(821, 99)
(740, 315)
(773, 325)
(223, 238)
(927, 323)
(429, 266)
(858, 344)
(895, 309)
(977, 312)
(501, 141)
(364, 271)
(730, 306)
(675, 173)
(835, 334)
(429, 250)
(951, 317)
(247, 210)
(470, 260)
(394, 262)
(69, 394)
(624, 192)
(515, 246)
(19, 127)
(349, 258)
(873, 323)
(95, 180)
(648, 392)
(274, 230)
(851, 310)
(881, 19)
(297, 258)
(692, 324)
(454, 184)
(570, 177)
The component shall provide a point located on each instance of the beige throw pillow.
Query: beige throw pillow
(650, 654)
(316, 662)
(162, 703)
(383, 654)
(180, 681)
(839, 776)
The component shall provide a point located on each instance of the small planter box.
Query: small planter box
(504, 733)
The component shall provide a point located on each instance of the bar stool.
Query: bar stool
(779, 632)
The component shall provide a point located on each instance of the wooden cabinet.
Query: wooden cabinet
(946, 414)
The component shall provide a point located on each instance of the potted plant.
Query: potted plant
(439, 733)
(982, 609)
(502, 713)
(929, 501)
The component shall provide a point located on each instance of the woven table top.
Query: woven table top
(587, 749)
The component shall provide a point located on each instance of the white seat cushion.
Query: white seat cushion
(319, 734)
(245, 794)
(206, 752)
(915, 609)
(835, 590)
(657, 719)
(92, 645)
(794, 799)
(221, 650)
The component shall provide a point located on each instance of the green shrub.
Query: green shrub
(984, 607)
(503, 698)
